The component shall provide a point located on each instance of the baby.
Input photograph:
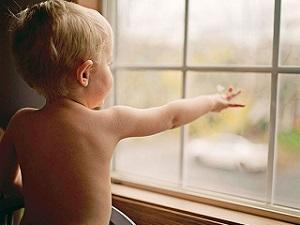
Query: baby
(58, 157)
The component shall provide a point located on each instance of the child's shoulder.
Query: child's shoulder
(17, 119)
(21, 114)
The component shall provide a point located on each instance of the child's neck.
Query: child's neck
(68, 99)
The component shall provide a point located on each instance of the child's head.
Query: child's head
(51, 39)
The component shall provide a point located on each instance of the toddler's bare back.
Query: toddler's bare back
(65, 149)
(64, 152)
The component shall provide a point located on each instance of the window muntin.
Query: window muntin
(268, 199)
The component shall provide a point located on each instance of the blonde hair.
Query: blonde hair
(50, 39)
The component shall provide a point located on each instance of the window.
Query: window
(165, 50)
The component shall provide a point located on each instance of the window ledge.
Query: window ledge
(190, 206)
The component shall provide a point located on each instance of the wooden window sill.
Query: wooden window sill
(192, 208)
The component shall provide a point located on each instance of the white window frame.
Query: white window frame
(268, 208)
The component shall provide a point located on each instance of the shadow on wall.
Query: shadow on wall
(14, 92)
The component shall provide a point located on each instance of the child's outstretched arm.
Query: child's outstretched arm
(132, 122)
(10, 174)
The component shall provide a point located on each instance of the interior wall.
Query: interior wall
(14, 93)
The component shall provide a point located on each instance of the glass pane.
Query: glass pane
(287, 180)
(230, 32)
(150, 32)
(156, 156)
(290, 32)
(227, 152)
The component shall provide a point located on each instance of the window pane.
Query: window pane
(150, 32)
(287, 180)
(227, 152)
(230, 32)
(156, 156)
(290, 32)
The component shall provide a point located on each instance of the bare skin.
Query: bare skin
(64, 150)
(65, 168)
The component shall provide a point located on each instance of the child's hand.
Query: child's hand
(223, 101)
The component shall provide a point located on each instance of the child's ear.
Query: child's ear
(83, 72)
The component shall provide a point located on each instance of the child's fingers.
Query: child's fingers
(236, 105)
(236, 93)
(231, 94)
(230, 89)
